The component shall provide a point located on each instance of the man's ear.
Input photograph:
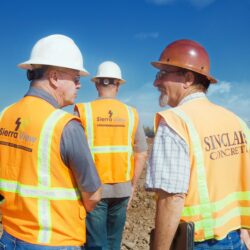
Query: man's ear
(189, 79)
(53, 78)
(96, 86)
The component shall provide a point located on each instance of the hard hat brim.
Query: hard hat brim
(161, 65)
(28, 65)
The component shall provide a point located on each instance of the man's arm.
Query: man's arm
(140, 156)
(168, 175)
(76, 155)
(168, 213)
(139, 163)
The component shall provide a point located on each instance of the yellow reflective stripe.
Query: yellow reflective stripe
(131, 122)
(110, 149)
(89, 123)
(44, 220)
(39, 191)
(218, 205)
(44, 178)
(219, 222)
(44, 147)
(205, 207)
(246, 131)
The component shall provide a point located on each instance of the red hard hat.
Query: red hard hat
(186, 54)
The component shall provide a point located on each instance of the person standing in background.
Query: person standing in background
(118, 146)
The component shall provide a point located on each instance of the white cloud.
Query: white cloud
(234, 96)
(145, 35)
(219, 88)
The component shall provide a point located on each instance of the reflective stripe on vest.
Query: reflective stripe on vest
(43, 192)
(109, 149)
(205, 206)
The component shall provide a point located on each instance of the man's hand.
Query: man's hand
(91, 199)
(131, 198)
(245, 237)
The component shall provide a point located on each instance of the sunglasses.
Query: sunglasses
(162, 73)
(76, 79)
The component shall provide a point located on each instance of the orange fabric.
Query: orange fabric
(110, 125)
(20, 214)
(225, 154)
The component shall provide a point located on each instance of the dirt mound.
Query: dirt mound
(140, 220)
(140, 217)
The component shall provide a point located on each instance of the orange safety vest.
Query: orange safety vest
(110, 128)
(42, 203)
(218, 199)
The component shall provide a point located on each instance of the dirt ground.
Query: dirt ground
(140, 217)
(140, 220)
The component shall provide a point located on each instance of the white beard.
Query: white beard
(163, 100)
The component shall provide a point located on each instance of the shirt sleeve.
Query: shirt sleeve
(169, 164)
(140, 143)
(75, 153)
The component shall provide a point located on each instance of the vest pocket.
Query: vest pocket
(82, 213)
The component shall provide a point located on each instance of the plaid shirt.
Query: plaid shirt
(169, 164)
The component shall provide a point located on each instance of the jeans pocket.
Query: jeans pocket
(2, 246)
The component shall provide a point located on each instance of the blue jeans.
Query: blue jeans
(231, 242)
(105, 224)
(9, 242)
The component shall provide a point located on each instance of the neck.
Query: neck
(45, 86)
(107, 95)
(191, 90)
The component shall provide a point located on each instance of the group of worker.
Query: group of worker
(67, 180)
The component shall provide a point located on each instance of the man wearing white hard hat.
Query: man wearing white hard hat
(47, 176)
(118, 146)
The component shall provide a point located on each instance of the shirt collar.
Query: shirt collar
(192, 97)
(43, 95)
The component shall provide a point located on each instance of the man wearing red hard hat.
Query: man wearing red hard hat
(199, 165)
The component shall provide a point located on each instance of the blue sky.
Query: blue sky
(132, 33)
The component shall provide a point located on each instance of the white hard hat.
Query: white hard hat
(108, 69)
(56, 50)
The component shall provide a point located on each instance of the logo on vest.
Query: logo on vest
(111, 120)
(225, 144)
(18, 123)
(19, 131)
(110, 114)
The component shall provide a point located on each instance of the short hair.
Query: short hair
(107, 81)
(199, 79)
(37, 72)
